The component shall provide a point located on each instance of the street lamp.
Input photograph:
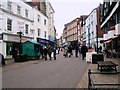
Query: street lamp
(20, 46)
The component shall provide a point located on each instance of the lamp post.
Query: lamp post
(20, 46)
(97, 37)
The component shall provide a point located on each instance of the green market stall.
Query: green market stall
(31, 49)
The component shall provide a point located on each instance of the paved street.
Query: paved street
(60, 73)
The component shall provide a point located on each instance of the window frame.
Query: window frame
(18, 9)
(26, 28)
(9, 24)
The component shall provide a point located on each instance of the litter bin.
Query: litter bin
(97, 57)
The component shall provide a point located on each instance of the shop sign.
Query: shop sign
(20, 26)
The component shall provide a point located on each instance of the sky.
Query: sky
(68, 10)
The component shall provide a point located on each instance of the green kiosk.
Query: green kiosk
(31, 49)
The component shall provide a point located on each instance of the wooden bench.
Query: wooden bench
(106, 65)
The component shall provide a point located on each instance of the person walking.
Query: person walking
(54, 53)
(84, 49)
(76, 50)
(41, 51)
(70, 51)
(100, 49)
(45, 50)
(49, 51)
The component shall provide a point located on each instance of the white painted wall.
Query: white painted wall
(91, 23)
(40, 24)
(50, 14)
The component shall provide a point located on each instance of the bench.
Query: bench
(106, 65)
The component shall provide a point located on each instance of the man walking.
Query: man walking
(49, 51)
(45, 52)
(54, 53)
(76, 50)
(84, 49)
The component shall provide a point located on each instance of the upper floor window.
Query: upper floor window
(18, 9)
(44, 21)
(38, 18)
(39, 32)
(9, 24)
(118, 17)
(45, 34)
(26, 29)
(26, 12)
(9, 6)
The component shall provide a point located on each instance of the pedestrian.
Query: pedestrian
(106, 52)
(76, 50)
(54, 53)
(95, 48)
(100, 49)
(45, 52)
(2, 60)
(49, 51)
(41, 51)
(65, 51)
(84, 49)
(70, 51)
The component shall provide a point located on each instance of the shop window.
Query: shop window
(9, 48)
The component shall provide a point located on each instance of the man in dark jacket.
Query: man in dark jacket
(49, 51)
(76, 50)
(84, 49)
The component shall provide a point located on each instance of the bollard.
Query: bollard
(89, 79)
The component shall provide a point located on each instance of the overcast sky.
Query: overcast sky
(68, 10)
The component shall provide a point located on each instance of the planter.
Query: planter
(97, 57)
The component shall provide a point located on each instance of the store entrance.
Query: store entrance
(15, 49)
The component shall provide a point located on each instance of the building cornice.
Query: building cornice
(12, 13)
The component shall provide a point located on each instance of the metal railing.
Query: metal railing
(92, 85)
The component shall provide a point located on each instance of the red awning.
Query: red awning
(107, 41)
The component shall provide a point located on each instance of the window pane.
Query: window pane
(9, 48)
(9, 6)
(9, 24)
(39, 32)
(26, 29)
(18, 9)
(26, 13)
(45, 34)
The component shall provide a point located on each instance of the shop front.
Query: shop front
(43, 42)
(10, 43)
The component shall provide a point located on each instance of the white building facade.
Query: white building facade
(40, 25)
(16, 16)
(51, 28)
(91, 30)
